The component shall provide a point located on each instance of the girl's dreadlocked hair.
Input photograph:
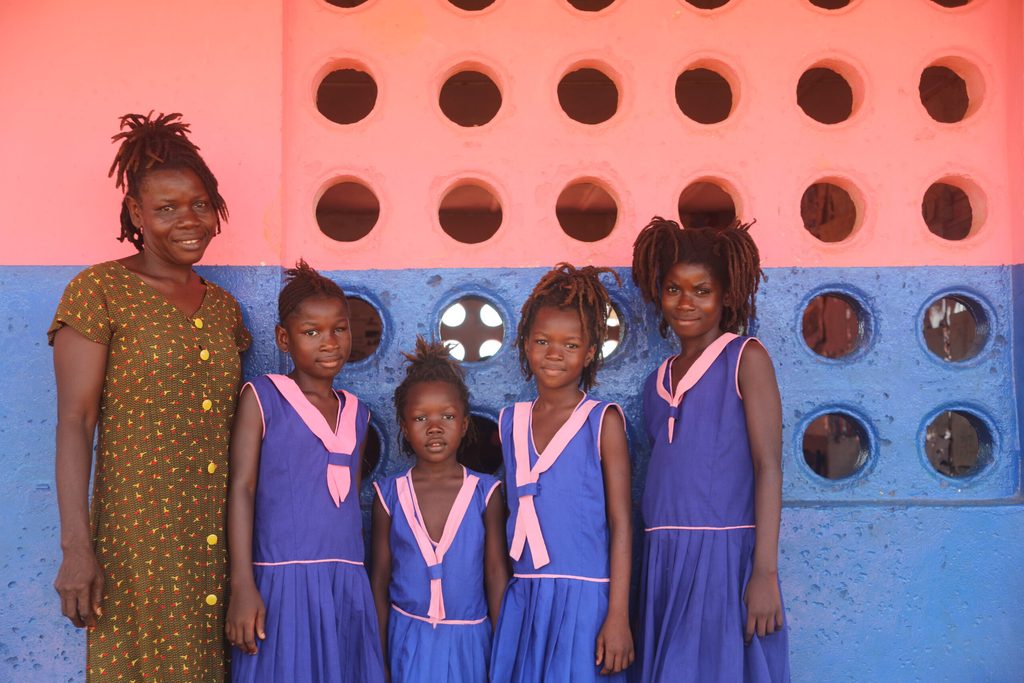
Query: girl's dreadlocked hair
(430, 362)
(579, 289)
(148, 145)
(728, 252)
(303, 282)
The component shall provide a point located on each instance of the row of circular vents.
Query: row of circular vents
(599, 5)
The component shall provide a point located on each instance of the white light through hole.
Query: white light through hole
(489, 348)
(453, 317)
(608, 347)
(491, 318)
(613, 317)
(455, 349)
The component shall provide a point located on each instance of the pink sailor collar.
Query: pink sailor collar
(692, 376)
(339, 442)
(527, 527)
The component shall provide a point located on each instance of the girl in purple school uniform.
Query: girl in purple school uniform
(710, 604)
(565, 614)
(439, 566)
(300, 607)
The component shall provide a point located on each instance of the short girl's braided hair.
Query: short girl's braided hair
(430, 362)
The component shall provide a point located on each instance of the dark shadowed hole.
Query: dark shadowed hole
(832, 326)
(345, 3)
(371, 454)
(830, 4)
(366, 326)
(828, 212)
(944, 94)
(588, 96)
(957, 443)
(472, 5)
(470, 98)
(470, 213)
(824, 95)
(347, 211)
(346, 95)
(954, 328)
(704, 204)
(951, 3)
(708, 4)
(591, 5)
(704, 95)
(947, 210)
(472, 328)
(586, 211)
(483, 452)
(835, 446)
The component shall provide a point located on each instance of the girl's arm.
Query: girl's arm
(763, 408)
(246, 611)
(79, 365)
(615, 642)
(496, 571)
(380, 575)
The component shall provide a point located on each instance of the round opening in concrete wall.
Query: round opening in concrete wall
(591, 5)
(482, 450)
(704, 95)
(470, 98)
(944, 94)
(830, 4)
(835, 445)
(952, 3)
(472, 329)
(470, 212)
(707, 4)
(705, 204)
(347, 211)
(346, 3)
(955, 327)
(825, 94)
(366, 326)
(616, 331)
(832, 325)
(588, 95)
(947, 210)
(958, 443)
(586, 211)
(371, 454)
(828, 211)
(346, 95)
(472, 5)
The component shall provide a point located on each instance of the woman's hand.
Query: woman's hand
(246, 618)
(614, 645)
(764, 605)
(80, 585)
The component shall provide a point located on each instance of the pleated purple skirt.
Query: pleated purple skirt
(421, 653)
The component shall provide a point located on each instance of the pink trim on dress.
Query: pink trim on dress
(692, 376)
(445, 622)
(561, 576)
(380, 497)
(338, 441)
(700, 528)
(279, 564)
(600, 426)
(494, 487)
(527, 526)
(433, 555)
(263, 420)
(739, 356)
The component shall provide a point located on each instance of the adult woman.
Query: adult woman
(149, 350)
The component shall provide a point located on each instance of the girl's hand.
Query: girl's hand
(80, 585)
(246, 618)
(764, 605)
(614, 645)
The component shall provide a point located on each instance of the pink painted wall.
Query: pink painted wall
(245, 74)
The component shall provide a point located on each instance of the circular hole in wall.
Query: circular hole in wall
(371, 454)
(828, 212)
(947, 210)
(591, 5)
(470, 213)
(470, 98)
(955, 327)
(472, 5)
(706, 204)
(588, 95)
(944, 94)
(830, 4)
(825, 95)
(708, 4)
(615, 332)
(345, 3)
(586, 211)
(951, 3)
(346, 95)
(704, 95)
(347, 211)
(481, 452)
(472, 329)
(366, 326)
(957, 443)
(835, 445)
(832, 325)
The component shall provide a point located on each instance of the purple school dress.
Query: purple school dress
(308, 545)
(438, 629)
(557, 600)
(698, 511)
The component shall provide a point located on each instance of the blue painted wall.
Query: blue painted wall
(896, 574)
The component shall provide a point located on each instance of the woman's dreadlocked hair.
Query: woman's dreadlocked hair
(148, 145)
(578, 289)
(303, 282)
(728, 252)
(431, 362)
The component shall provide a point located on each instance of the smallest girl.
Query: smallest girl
(437, 535)
(300, 607)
